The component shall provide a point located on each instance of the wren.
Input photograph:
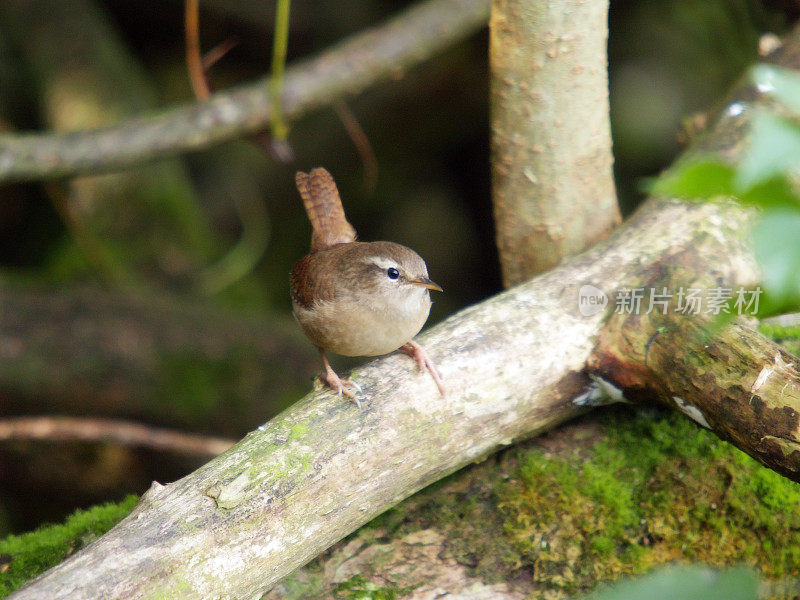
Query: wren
(356, 298)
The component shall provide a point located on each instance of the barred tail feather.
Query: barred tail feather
(324, 208)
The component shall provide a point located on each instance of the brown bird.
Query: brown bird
(356, 298)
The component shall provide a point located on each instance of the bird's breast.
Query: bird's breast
(364, 329)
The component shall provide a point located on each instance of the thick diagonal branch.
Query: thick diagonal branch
(513, 366)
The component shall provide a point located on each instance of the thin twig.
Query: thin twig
(194, 62)
(361, 142)
(125, 433)
(214, 55)
(279, 46)
(363, 60)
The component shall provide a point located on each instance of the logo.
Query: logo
(591, 300)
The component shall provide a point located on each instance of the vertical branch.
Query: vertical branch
(279, 46)
(194, 62)
(553, 184)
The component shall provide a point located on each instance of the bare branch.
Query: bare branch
(553, 185)
(125, 433)
(363, 60)
(194, 61)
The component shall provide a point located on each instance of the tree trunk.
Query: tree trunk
(552, 180)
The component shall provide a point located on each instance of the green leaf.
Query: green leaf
(686, 583)
(773, 149)
(776, 239)
(781, 83)
(706, 179)
(702, 179)
(775, 192)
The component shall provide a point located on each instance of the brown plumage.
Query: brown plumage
(356, 298)
(324, 207)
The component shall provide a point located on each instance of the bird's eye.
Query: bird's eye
(392, 273)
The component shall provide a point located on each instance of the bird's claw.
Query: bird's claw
(332, 380)
(424, 362)
(341, 386)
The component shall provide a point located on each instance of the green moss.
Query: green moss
(360, 588)
(23, 557)
(655, 489)
(298, 430)
(788, 337)
(603, 545)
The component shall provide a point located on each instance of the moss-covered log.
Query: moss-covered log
(513, 366)
(608, 495)
(611, 494)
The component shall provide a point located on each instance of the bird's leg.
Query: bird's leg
(417, 352)
(332, 380)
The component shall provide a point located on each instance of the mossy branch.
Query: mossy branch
(737, 383)
(363, 60)
(514, 366)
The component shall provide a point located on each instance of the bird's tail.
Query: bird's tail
(324, 209)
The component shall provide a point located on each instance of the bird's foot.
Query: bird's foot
(341, 386)
(332, 380)
(424, 362)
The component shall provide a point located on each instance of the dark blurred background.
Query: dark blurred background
(101, 270)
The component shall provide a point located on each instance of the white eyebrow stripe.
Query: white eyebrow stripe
(381, 262)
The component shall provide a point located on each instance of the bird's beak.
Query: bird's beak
(425, 282)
